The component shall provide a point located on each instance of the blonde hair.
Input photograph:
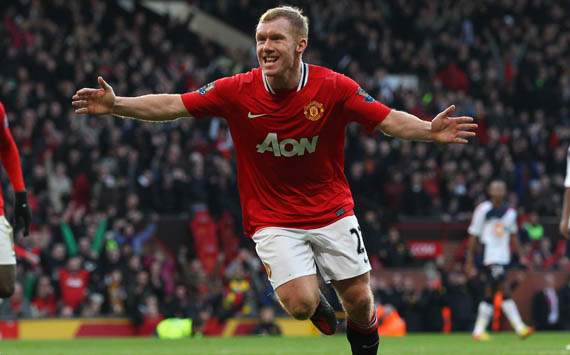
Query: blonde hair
(294, 15)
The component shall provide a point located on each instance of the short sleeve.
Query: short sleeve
(3, 117)
(359, 106)
(477, 222)
(567, 180)
(212, 99)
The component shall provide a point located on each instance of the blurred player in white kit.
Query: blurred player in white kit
(494, 224)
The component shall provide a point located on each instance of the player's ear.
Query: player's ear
(302, 44)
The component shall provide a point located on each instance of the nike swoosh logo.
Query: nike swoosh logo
(252, 116)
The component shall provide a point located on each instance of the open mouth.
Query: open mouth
(268, 59)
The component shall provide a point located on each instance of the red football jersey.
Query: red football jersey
(289, 145)
(73, 286)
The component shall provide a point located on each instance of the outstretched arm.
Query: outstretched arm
(154, 108)
(10, 158)
(363, 108)
(442, 129)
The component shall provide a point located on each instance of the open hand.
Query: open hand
(446, 129)
(94, 101)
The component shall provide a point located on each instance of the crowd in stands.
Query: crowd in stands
(99, 186)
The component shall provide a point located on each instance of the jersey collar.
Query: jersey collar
(302, 81)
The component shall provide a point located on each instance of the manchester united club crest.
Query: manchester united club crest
(314, 111)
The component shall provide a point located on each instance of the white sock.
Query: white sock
(511, 311)
(484, 315)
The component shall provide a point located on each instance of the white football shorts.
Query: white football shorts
(7, 254)
(336, 249)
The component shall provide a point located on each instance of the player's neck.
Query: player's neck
(497, 204)
(288, 80)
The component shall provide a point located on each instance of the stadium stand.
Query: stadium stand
(101, 189)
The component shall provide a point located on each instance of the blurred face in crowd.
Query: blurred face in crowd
(181, 291)
(142, 278)
(393, 235)
(132, 201)
(60, 169)
(116, 276)
(84, 245)
(113, 255)
(74, 264)
(44, 287)
(279, 48)
(497, 191)
(18, 291)
(408, 284)
(151, 304)
(155, 268)
(58, 252)
(135, 262)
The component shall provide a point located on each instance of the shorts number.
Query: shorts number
(359, 247)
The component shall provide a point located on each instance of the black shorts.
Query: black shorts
(495, 274)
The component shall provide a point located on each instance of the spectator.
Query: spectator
(394, 252)
(17, 306)
(239, 295)
(564, 302)
(55, 261)
(432, 301)
(460, 302)
(136, 295)
(73, 282)
(416, 200)
(116, 292)
(151, 316)
(532, 230)
(180, 304)
(411, 310)
(266, 324)
(44, 302)
(546, 306)
(93, 306)
(59, 183)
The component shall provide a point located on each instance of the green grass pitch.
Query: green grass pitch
(424, 344)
